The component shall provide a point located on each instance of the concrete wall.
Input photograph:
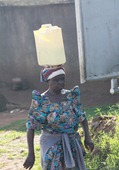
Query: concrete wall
(17, 47)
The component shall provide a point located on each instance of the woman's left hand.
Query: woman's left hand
(89, 144)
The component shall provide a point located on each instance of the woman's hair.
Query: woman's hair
(49, 72)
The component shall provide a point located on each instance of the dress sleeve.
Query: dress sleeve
(36, 116)
(77, 106)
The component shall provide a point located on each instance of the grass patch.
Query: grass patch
(102, 110)
(108, 158)
(13, 143)
(107, 143)
(18, 125)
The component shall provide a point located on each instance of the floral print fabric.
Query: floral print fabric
(59, 117)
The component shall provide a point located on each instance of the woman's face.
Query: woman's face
(57, 83)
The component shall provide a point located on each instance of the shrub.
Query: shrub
(106, 153)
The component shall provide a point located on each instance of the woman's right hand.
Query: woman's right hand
(29, 162)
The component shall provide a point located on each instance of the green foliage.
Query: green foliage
(19, 125)
(108, 158)
(102, 110)
(107, 143)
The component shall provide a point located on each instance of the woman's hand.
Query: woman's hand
(29, 162)
(89, 144)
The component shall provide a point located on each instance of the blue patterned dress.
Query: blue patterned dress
(57, 119)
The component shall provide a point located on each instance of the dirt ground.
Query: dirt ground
(92, 95)
(17, 106)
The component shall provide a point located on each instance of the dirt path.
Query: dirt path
(8, 117)
(95, 94)
(17, 106)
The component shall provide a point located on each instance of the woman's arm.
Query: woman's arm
(87, 141)
(29, 162)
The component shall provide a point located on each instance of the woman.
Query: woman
(57, 113)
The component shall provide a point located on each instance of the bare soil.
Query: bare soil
(17, 105)
(18, 102)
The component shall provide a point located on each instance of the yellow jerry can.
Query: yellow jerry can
(49, 45)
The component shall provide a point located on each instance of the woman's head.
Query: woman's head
(57, 83)
(48, 73)
(55, 76)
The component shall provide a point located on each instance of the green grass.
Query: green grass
(102, 110)
(108, 143)
(13, 145)
(108, 158)
(18, 125)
